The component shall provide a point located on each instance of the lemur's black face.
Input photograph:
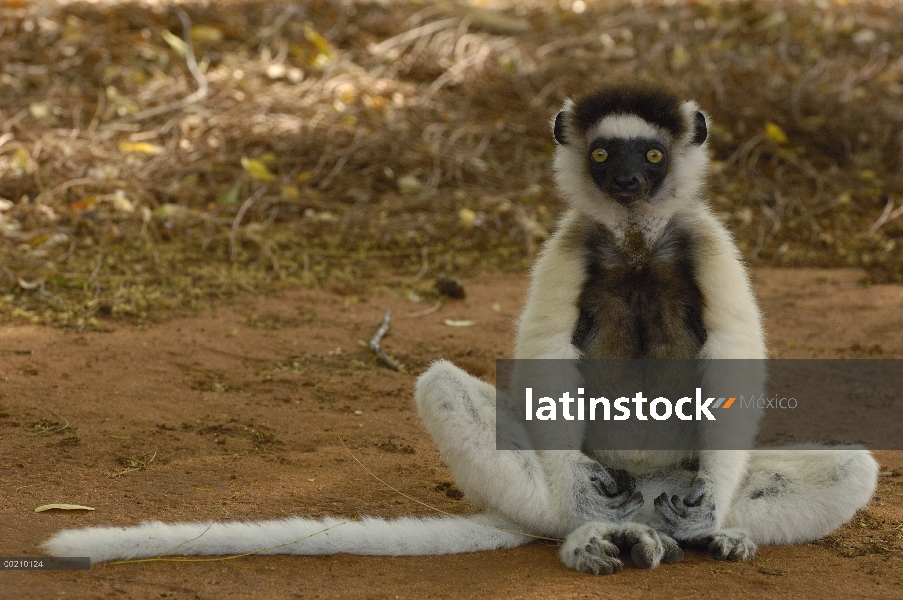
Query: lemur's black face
(628, 170)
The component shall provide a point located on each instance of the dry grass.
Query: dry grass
(355, 144)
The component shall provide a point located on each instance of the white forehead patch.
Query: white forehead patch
(626, 127)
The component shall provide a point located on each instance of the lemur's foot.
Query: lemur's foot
(729, 544)
(690, 518)
(594, 547)
(588, 550)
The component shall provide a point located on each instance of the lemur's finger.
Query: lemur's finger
(668, 511)
(634, 502)
(604, 482)
(673, 552)
(694, 498)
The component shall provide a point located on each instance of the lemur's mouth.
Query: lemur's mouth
(626, 198)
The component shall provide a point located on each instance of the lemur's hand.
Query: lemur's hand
(606, 494)
(690, 518)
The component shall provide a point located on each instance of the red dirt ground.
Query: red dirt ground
(228, 414)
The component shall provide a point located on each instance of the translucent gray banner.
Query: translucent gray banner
(698, 404)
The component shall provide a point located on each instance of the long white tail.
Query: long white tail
(408, 536)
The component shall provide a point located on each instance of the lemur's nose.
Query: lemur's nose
(625, 183)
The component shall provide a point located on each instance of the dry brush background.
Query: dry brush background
(156, 156)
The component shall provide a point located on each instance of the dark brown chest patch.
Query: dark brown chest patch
(638, 302)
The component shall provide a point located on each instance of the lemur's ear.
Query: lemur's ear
(558, 129)
(701, 131)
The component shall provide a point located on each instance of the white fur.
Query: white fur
(831, 485)
(549, 317)
(544, 492)
(408, 536)
(626, 127)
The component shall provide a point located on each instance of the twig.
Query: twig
(409, 36)
(192, 64)
(56, 427)
(267, 34)
(76, 182)
(379, 352)
(888, 215)
(340, 164)
(426, 264)
(423, 313)
(476, 59)
(98, 114)
(142, 465)
(96, 270)
(12, 122)
(233, 250)
(22, 487)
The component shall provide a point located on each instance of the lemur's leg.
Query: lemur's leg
(459, 412)
(793, 496)
(787, 496)
(550, 491)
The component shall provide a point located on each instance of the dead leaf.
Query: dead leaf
(257, 169)
(230, 196)
(141, 148)
(467, 218)
(62, 507)
(175, 42)
(319, 42)
(409, 184)
(775, 133)
(680, 58)
(290, 192)
(206, 33)
(461, 323)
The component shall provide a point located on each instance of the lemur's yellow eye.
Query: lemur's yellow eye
(600, 155)
(655, 156)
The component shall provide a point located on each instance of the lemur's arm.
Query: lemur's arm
(733, 331)
(546, 326)
(583, 489)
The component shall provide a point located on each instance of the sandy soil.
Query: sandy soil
(228, 414)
